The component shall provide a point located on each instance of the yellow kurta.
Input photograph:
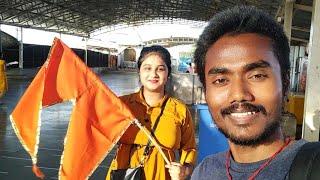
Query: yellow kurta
(174, 132)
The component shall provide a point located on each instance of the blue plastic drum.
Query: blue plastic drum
(211, 140)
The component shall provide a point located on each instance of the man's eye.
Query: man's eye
(259, 77)
(220, 81)
(147, 68)
(161, 69)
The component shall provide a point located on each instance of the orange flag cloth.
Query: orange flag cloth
(98, 118)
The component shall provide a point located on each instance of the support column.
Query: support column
(86, 52)
(288, 9)
(1, 52)
(109, 59)
(311, 119)
(21, 49)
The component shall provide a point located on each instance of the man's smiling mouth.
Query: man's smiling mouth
(243, 114)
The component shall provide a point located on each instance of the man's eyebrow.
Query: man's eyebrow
(247, 67)
(258, 64)
(218, 70)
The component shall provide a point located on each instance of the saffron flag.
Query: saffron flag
(98, 118)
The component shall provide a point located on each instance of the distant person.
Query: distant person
(169, 118)
(191, 68)
(242, 59)
(303, 71)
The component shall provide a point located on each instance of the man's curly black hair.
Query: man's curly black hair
(239, 20)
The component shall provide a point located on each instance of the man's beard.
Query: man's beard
(268, 131)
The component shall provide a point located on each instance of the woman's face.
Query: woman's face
(153, 73)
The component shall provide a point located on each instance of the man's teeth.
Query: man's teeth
(242, 114)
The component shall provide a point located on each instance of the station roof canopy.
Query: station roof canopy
(82, 17)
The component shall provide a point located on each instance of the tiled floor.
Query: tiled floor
(15, 163)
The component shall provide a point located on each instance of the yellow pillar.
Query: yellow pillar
(3, 78)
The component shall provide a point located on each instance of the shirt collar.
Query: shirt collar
(139, 98)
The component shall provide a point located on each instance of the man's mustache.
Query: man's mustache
(241, 107)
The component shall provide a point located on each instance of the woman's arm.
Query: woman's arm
(188, 151)
(183, 170)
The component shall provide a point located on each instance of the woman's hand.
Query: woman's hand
(178, 171)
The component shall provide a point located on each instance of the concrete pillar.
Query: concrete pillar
(1, 53)
(86, 51)
(311, 122)
(288, 9)
(21, 49)
(109, 61)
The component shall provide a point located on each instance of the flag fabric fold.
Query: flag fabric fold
(97, 121)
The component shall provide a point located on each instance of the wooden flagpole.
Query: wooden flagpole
(154, 142)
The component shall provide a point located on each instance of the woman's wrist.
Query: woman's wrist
(188, 170)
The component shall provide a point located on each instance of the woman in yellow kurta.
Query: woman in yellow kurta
(174, 130)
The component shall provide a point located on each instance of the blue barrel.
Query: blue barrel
(211, 140)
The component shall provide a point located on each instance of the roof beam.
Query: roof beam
(297, 28)
(303, 7)
(299, 39)
(49, 30)
(25, 10)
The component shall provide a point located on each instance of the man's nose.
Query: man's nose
(240, 91)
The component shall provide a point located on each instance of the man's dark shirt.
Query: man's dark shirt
(213, 166)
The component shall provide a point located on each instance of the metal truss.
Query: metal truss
(81, 17)
(172, 41)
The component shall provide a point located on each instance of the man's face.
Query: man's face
(243, 87)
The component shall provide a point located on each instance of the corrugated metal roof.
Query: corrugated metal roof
(81, 17)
